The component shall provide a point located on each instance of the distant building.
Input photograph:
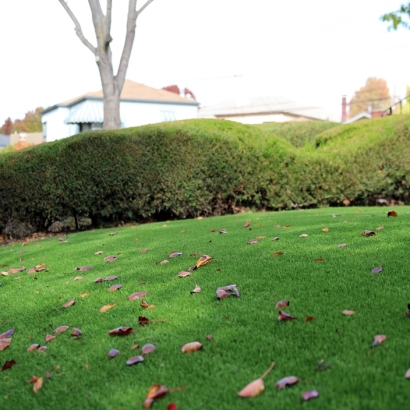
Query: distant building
(4, 141)
(139, 105)
(256, 110)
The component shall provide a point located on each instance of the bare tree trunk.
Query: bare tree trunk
(111, 84)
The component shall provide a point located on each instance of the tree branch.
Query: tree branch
(107, 22)
(144, 7)
(129, 40)
(78, 30)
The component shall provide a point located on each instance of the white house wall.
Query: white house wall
(135, 114)
(57, 129)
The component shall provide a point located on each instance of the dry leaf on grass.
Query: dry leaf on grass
(368, 233)
(197, 289)
(285, 316)
(175, 254)
(191, 347)
(281, 304)
(203, 260)
(256, 387)
(311, 394)
(49, 338)
(148, 348)
(33, 347)
(326, 229)
(252, 242)
(113, 353)
(8, 365)
(113, 288)
(304, 235)
(142, 320)
(286, 381)
(110, 258)
(109, 278)
(137, 295)
(155, 392)
(392, 213)
(69, 303)
(378, 339)
(134, 360)
(107, 307)
(7, 334)
(60, 329)
(377, 270)
(246, 224)
(121, 331)
(277, 254)
(76, 332)
(348, 312)
(183, 274)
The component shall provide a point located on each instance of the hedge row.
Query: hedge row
(199, 167)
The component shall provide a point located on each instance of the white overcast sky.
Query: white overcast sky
(311, 51)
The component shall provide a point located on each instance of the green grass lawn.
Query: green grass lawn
(246, 335)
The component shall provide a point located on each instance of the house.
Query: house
(364, 115)
(139, 105)
(32, 138)
(256, 110)
(4, 141)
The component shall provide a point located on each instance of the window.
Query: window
(85, 126)
(168, 115)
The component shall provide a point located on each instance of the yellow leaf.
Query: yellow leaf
(107, 307)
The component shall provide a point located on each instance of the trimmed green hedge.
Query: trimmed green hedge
(201, 167)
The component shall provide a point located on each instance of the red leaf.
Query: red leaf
(69, 303)
(392, 213)
(98, 280)
(137, 295)
(121, 331)
(5, 343)
(309, 318)
(285, 316)
(8, 365)
(155, 392)
(142, 320)
(368, 233)
(172, 406)
(42, 348)
(134, 360)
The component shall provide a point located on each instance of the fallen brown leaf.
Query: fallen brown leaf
(342, 245)
(175, 254)
(252, 242)
(38, 384)
(113, 353)
(76, 332)
(49, 338)
(203, 260)
(183, 274)
(134, 360)
(112, 277)
(110, 258)
(197, 289)
(304, 235)
(277, 254)
(98, 280)
(281, 304)
(368, 233)
(309, 318)
(33, 347)
(8, 364)
(155, 392)
(311, 394)
(7, 334)
(78, 278)
(99, 253)
(142, 320)
(246, 224)
(42, 348)
(69, 303)
(392, 213)
(60, 329)
(121, 331)
(377, 270)
(191, 347)
(148, 348)
(285, 316)
(378, 339)
(348, 312)
(407, 375)
(137, 295)
(319, 260)
(256, 387)
(276, 238)
(326, 229)
(84, 295)
(164, 262)
(113, 288)
(379, 228)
